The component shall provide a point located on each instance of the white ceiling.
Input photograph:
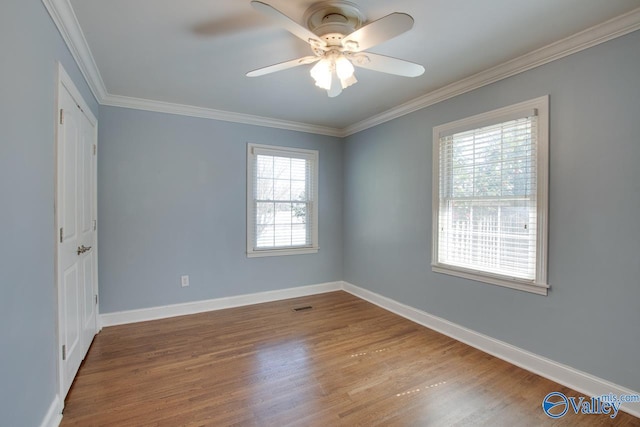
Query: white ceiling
(196, 52)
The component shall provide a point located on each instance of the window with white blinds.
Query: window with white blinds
(490, 197)
(281, 201)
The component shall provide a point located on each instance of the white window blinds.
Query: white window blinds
(487, 198)
(282, 212)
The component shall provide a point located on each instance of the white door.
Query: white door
(88, 224)
(76, 230)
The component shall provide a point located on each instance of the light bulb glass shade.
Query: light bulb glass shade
(344, 68)
(348, 81)
(321, 73)
(336, 86)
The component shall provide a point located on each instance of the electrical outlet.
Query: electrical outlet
(184, 281)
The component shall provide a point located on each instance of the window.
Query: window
(282, 208)
(490, 197)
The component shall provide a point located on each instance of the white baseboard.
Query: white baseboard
(577, 380)
(54, 414)
(163, 312)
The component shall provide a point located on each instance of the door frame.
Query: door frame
(64, 82)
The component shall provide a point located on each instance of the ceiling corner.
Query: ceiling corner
(65, 19)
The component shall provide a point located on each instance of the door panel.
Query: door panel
(72, 320)
(89, 304)
(71, 288)
(87, 232)
(75, 219)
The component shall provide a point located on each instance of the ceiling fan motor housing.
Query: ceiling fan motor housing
(333, 20)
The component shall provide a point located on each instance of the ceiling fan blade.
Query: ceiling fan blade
(288, 24)
(386, 64)
(283, 66)
(378, 31)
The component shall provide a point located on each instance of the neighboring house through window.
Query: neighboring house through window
(282, 207)
(490, 197)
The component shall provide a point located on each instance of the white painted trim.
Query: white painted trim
(608, 30)
(67, 82)
(557, 372)
(540, 106)
(483, 277)
(208, 113)
(280, 252)
(53, 417)
(163, 312)
(65, 19)
(312, 156)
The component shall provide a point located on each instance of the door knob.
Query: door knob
(82, 249)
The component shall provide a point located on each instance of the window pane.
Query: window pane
(487, 199)
(264, 236)
(299, 234)
(282, 195)
(299, 213)
(265, 213)
(462, 182)
(264, 166)
(283, 235)
(281, 168)
(298, 190)
(264, 189)
(282, 189)
(283, 213)
(299, 169)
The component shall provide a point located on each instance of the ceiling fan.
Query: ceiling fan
(338, 40)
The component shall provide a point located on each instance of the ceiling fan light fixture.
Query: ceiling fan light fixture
(348, 81)
(321, 73)
(344, 68)
(333, 73)
(336, 86)
(339, 40)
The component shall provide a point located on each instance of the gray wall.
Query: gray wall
(591, 318)
(172, 201)
(30, 45)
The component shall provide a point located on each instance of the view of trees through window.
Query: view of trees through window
(487, 199)
(282, 202)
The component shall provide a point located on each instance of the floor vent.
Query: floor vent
(306, 307)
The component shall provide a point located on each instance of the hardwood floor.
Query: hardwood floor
(344, 362)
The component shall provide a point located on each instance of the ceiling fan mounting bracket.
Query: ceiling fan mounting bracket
(332, 20)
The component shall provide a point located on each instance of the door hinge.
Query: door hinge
(95, 225)
(95, 149)
(64, 352)
(96, 299)
(61, 116)
(61, 231)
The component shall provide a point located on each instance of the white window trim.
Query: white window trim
(284, 151)
(539, 285)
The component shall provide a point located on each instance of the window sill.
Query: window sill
(535, 288)
(281, 252)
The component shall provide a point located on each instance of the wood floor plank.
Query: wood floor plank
(345, 362)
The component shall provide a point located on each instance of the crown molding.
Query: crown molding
(208, 113)
(65, 19)
(608, 30)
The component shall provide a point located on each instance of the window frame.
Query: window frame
(290, 152)
(539, 285)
